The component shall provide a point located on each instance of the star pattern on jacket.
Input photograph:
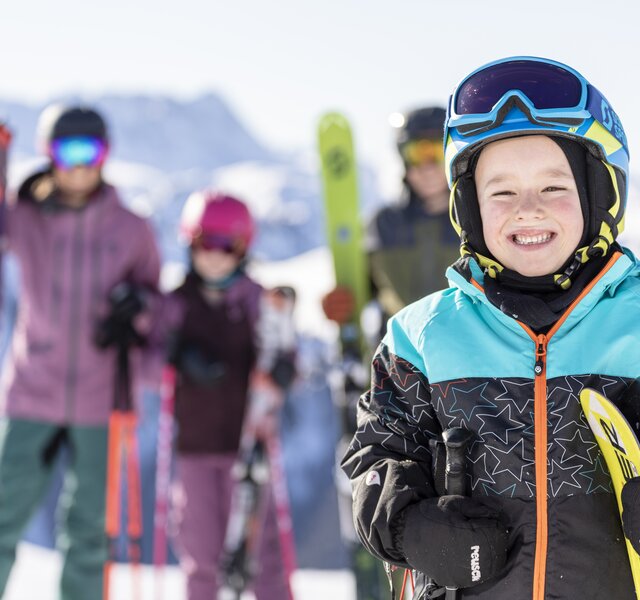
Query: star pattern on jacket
(404, 411)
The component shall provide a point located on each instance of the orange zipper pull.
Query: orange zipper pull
(541, 354)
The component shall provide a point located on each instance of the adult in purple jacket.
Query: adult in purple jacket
(75, 244)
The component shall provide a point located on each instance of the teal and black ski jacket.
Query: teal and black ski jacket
(453, 359)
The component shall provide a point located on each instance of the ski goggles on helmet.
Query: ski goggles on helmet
(217, 242)
(550, 93)
(521, 95)
(420, 152)
(78, 151)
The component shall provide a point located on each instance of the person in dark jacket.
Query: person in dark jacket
(222, 355)
(411, 244)
(537, 162)
(87, 264)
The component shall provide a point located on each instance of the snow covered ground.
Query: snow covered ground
(26, 585)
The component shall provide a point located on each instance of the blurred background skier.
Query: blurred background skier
(216, 317)
(87, 265)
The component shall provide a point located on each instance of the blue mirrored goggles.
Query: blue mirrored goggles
(78, 151)
(547, 92)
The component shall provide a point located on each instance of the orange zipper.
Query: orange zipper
(540, 428)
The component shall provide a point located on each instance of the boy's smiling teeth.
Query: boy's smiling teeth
(526, 240)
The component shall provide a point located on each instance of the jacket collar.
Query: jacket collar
(625, 265)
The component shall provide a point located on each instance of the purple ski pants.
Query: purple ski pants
(201, 500)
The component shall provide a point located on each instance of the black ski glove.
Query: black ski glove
(196, 366)
(283, 371)
(631, 512)
(458, 541)
(126, 301)
(193, 363)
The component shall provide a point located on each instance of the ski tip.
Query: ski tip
(333, 119)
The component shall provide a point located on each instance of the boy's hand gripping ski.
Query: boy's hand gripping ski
(621, 452)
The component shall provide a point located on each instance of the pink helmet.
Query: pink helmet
(217, 221)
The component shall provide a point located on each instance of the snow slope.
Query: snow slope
(24, 585)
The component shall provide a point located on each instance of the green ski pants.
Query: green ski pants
(27, 453)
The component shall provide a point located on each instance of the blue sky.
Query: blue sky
(280, 64)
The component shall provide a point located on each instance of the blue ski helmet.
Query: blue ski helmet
(526, 95)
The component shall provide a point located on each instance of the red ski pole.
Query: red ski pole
(163, 475)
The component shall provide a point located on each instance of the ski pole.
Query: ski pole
(163, 475)
(283, 510)
(122, 442)
(456, 441)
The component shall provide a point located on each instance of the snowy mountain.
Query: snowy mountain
(163, 149)
(156, 131)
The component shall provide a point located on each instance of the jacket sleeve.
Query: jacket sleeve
(381, 286)
(166, 316)
(389, 460)
(16, 220)
(160, 315)
(145, 269)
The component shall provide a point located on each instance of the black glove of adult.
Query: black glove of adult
(126, 301)
(631, 512)
(458, 541)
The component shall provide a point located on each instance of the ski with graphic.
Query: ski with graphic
(620, 449)
(345, 239)
(241, 543)
(343, 221)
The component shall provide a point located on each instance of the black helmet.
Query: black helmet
(421, 123)
(59, 121)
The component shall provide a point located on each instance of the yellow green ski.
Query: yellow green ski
(343, 220)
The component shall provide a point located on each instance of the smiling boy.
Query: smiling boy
(537, 163)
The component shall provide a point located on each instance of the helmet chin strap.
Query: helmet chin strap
(563, 280)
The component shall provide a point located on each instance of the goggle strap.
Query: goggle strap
(453, 216)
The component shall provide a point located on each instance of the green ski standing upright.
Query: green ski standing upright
(345, 239)
(344, 225)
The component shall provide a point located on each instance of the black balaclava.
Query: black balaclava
(539, 301)
(595, 191)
